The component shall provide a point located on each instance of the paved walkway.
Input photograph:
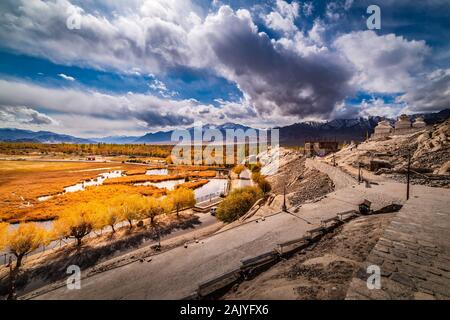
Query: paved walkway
(414, 252)
(340, 179)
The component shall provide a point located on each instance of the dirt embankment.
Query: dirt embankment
(320, 272)
(301, 183)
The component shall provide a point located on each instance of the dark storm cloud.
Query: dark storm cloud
(276, 79)
(157, 119)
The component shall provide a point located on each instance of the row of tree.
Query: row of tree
(160, 151)
(79, 221)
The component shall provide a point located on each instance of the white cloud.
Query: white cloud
(282, 18)
(308, 8)
(431, 92)
(17, 115)
(151, 36)
(66, 77)
(377, 107)
(84, 112)
(384, 63)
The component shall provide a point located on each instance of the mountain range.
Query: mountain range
(295, 134)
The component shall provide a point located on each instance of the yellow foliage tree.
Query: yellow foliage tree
(19, 242)
(153, 207)
(24, 239)
(112, 216)
(181, 198)
(3, 232)
(78, 221)
(238, 169)
(129, 207)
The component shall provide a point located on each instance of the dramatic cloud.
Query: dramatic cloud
(275, 79)
(151, 37)
(384, 63)
(304, 67)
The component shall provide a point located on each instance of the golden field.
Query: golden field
(23, 182)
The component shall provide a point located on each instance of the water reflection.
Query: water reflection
(88, 183)
(155, 172)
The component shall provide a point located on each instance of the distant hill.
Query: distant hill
(344, 129)
(19, 135)
(117, 139)
(165, 136)
(339, 130)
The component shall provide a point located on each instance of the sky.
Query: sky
(127, 67)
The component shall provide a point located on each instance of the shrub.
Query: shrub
(237, 203)
(255, 167)
(238, 169)
(262, 182)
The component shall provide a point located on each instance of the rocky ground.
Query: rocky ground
(321, 272)
(429, 150)
(302, 183)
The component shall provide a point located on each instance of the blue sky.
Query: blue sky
(145, 65)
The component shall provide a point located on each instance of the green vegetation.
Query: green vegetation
(237, 203)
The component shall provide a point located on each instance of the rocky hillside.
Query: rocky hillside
(429, 149)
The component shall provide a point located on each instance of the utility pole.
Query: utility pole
(284, 199)
(408, 173)
(359, 172)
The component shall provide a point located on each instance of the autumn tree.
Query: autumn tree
(112, 215)
(130, 207)
(77, 222)
(237, 203)
(153, 207)
(19, 242)
(238, 169)
(3, 233)
(181, 198)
